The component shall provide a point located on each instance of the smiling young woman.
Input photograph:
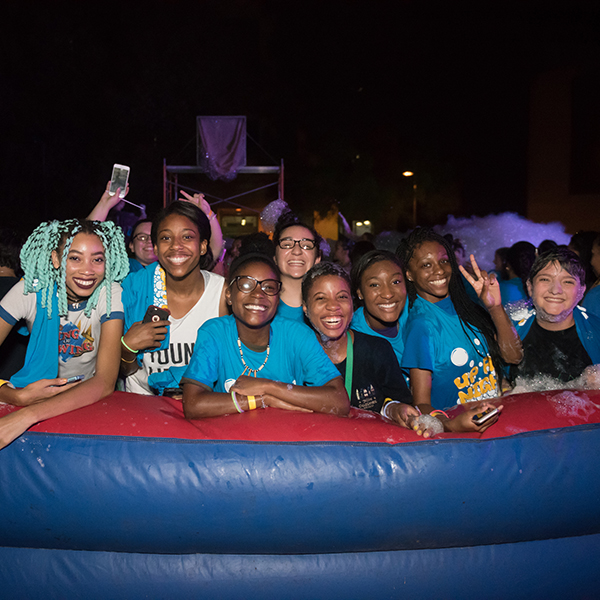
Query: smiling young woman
(373, 378)
(297, 249)
(140, 245)
(155, 354)
(255, 358)
(455, 349)
(70, 299)
(378, 282)
(560, 340)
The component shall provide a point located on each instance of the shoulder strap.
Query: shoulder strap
(349, 364)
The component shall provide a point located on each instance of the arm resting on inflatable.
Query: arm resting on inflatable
(200, 402)
(34, 392)
(420, 383)
(329, 398)
(90, 391)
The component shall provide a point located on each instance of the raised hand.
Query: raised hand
(199, 200)
(486, 287)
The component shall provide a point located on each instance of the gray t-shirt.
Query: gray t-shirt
(79, 336)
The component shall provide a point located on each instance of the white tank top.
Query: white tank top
(182, 336)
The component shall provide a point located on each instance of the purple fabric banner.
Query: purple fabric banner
(221, 146)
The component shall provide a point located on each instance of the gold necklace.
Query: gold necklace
(246, 367)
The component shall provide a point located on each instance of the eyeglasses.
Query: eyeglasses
(247, 284)
(289, 243)
(142, 237)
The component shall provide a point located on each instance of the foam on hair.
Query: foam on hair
(566, 258)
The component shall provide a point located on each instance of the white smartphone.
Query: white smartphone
(119, 179)
(486, 415)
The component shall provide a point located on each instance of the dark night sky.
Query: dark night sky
(442, 88)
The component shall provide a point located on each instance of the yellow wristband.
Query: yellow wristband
(3, 382)
(251, 402)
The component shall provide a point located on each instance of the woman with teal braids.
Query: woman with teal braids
(70, 300)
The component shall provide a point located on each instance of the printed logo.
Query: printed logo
(73, 342)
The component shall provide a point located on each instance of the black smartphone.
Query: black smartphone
(155, 314)
(486, 415)
(176, 393)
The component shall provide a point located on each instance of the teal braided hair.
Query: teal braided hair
(41, 275)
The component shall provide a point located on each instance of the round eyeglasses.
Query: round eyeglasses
(142, 237)
(304, 243)
(247, 284)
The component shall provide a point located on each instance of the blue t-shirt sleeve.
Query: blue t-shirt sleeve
(204, 363)
(418, 346)
(315, 365)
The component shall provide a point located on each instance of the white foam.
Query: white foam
(482, 236)
(588, 380)
(434, 425)
(571, 404)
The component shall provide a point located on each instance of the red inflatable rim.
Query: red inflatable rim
(132, 415)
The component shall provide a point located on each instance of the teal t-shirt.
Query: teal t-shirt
(461, 368)
(295, 355)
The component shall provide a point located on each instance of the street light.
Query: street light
(414, 207)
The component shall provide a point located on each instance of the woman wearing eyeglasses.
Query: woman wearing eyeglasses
(155, 354)
(296, 251)
(254, 358)
(141, 246)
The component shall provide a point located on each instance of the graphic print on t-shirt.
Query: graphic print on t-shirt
(73, 342)
(176, 355)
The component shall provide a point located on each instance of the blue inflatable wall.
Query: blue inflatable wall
(115, 516)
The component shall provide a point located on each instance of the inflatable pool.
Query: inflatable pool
(126, 499)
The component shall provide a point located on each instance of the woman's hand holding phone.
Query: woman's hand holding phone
(141, 336)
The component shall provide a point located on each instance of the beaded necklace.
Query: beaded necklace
(246, 367)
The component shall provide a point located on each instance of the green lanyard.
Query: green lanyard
(349, 364)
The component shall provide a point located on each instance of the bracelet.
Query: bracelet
(251, 402)
(126, 346)
(433, 413)
(212, 215)
(262, 402)
(387, 403)
(128, 361)
(235, 402)
(4, 382)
